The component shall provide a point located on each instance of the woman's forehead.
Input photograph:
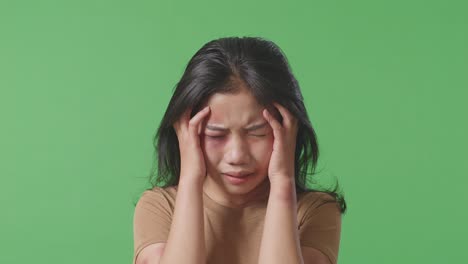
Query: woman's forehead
(240, 109)
(240, 117)
(241, 97)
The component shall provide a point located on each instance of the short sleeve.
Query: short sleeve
(321, 227)
(151, 220)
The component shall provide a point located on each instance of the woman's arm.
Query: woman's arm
(280, 240)
(186, 241)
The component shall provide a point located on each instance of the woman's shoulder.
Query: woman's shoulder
(162, 190)
(157, 193)
(315, 195)
(314, 199)
(317, 206)
(166, 189)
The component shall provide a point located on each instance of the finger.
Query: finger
(287, 117)
(277, 128)
(196, 120)
(183, 120)
(186, 116)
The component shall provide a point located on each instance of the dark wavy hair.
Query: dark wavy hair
(218, 67)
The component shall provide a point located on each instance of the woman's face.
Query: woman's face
(235, 137)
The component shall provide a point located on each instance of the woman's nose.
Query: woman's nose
(238, 152)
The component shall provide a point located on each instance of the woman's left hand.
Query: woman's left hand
(281, 167)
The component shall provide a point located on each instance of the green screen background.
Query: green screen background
(84, 85)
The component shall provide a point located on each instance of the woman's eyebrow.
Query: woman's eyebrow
(249, 128)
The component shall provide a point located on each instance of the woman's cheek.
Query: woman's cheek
(212, 150)
(270, 139)
(212, 143)
(267, 147)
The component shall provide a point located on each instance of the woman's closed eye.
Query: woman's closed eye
(214, 136)
(258, 135)
(221, 136)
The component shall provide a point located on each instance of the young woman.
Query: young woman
(234, 149)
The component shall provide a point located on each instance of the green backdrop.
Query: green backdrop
(84, 85)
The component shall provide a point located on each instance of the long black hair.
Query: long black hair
(217, 67)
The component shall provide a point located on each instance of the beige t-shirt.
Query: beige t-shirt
(233, 235)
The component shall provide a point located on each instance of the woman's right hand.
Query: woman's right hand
(192, 162)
